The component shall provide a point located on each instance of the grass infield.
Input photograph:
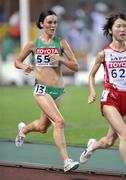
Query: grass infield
(82, 121)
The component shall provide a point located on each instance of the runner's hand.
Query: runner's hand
(54, 57)
(28, 68)
(91, 98)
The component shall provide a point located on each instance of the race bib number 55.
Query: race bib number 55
(39, 89)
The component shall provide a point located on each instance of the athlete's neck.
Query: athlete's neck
(118, 46)
(47, 39)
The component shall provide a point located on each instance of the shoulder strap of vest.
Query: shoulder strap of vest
(57, 41)
(38, 43)
(57, 44)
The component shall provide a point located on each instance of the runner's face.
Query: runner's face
(119, 30)
(50, 24)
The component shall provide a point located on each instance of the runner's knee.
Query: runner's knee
(59, 123)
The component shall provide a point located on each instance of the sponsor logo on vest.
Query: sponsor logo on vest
(47, 51)
(117, 64)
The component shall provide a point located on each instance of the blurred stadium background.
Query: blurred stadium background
(80, 23)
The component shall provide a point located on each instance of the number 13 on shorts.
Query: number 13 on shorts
(39, 89)
(104, 95)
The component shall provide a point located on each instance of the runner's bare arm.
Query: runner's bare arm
(96, 66)
(21, 57)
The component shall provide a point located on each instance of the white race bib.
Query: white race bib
(39, 89)
(104, 95)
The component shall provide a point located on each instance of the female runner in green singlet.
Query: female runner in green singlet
(48, 51)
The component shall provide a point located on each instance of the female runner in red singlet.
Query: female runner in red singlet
(113, 99)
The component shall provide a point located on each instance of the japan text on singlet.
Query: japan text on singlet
(42, 51)
(115, 68)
